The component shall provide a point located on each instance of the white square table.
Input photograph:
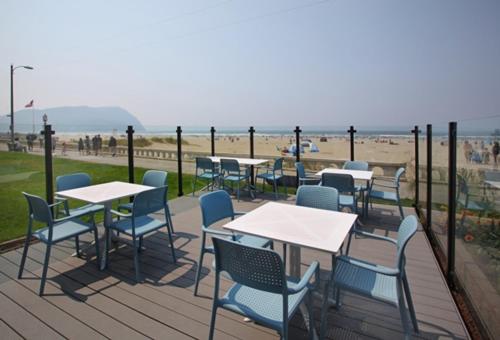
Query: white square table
(361, 175)
(317, 229)
(104, 194)
(242, 161)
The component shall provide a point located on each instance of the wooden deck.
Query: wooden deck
(83, 302)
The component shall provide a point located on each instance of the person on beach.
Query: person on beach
(112, 146)
(87, 144)
(467, 151)
(80, 147)
(495, 151)
(64, 149)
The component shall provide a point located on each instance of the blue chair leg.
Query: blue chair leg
(212, 321)
(77, 246)
(171, 245)
(136, 261)
(170, 224)
(238, 192)
(96, 240)
(311, 315)
(139, 249)
(401, 209)
(275, 187)
(45, 267)
(402, 310)
(106, 246)
(409, 300)
(25, 253)
(198, 272)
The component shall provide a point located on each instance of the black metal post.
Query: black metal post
(429, 177)
(416, 131)
(179, 161)
(49, 183)
(297, 150)
(212, 140)
(452, 190)
(130, 143)
(251, 131)
(12, 104)
(351, 132)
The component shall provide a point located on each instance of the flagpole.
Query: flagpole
(33, 115)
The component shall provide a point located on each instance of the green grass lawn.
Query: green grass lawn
(24, 172)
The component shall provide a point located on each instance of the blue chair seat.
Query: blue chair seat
(209, 175)
(269, 176)
(471, 205)
(346, 200)
(361, 187)
(261, 306)
(236, 178)
(143, 225)
(386, 195)
(63, 231)
(88, 209)
(350, 273)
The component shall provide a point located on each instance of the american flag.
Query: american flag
(30, 104)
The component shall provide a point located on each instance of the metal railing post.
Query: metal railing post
(130, 145)
(416, 204)
(179, 161)
(452, 190)
(212, 141)
(49, 182)
(251, 131)
(429, 178)
(297, 150)
(351, 132)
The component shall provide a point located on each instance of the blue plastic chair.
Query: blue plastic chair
(232, 172)
(261, 291)
(386, 284)
(55, 230)
(361, 166)
(216, 206)
(273, 174)
(138, 223)
(75, 181)
(344, 184)
(464, 200)
(392, 196)
(156, 179)
(303, 176)
(206, 170)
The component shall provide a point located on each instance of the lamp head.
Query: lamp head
(28, 67)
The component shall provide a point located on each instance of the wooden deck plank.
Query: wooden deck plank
(8, 332)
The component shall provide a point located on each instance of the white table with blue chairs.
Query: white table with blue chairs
(359, 175)
(246, 162)
(105, 194)
(298, 226)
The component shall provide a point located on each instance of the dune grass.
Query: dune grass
(24, 172)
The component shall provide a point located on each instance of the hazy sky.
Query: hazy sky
(249, 62)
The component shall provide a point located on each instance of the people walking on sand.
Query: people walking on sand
(87, 144)
(112, 146)
(64, 148)
(495, 150)
(94, 145)
(99, 144)
(80, 147)
(467, 151)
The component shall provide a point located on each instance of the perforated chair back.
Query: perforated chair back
(398, 175)
(204, 164)
(38, 209)
(230, 165)
(356, 165)
(150, 201)
(155, 178)
(341, 182)
(319, 197)
(407, 229)
(72, 181)
(301, 172)
(215, 206)
(257, 268)
(278, 164)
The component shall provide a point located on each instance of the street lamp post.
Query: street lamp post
(12, 68)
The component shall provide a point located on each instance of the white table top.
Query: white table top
(356, 174)
(105, 192)
(317, 229)
(495, 184)
(242, 161)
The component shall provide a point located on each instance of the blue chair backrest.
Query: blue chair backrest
(38, 209)
(204, 164)
(300, 169)
(314, 196)
(72, 181)
(155, 178)
(230, 165)
(341, 182)
(278, 164)
(150, 201)
(215, 206)
(257, 268)
(407, 229)
(399, 173)
(356, 165)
